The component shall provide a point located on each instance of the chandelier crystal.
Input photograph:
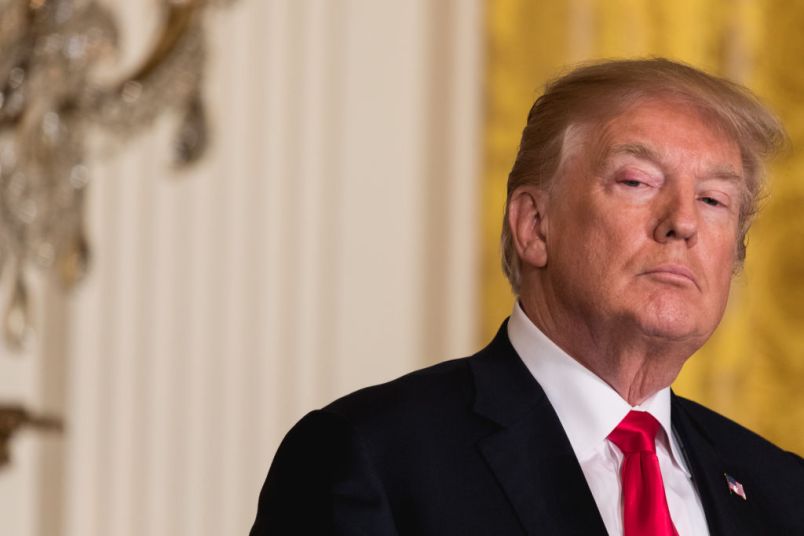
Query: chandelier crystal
(51, 99)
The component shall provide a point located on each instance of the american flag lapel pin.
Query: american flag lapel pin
(735, 487)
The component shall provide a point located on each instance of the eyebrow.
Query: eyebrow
(644, 152)
(634, 149)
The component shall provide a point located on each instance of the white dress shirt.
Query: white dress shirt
(589, 409)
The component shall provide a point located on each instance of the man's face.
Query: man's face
(642, 224)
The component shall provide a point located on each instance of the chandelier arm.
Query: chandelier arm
(178, 21)
(48, 104)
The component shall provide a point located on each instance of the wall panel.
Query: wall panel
(296, 263)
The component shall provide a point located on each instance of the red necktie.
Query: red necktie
(645, 509)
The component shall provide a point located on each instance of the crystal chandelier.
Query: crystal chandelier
(50, 102)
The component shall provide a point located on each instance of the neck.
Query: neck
(634, 364)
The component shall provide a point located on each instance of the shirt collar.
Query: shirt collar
(588, 408)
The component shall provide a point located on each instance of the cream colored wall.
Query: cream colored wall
(328, 241)
(19, 481)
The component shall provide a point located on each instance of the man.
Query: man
(627, 211)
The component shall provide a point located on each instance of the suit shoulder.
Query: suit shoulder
(772, 477)
(737, 439)
(427, 389)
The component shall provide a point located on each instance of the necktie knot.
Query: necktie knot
(645, 508)
(636, 433)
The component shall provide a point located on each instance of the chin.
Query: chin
(672, 331)
(674, 320)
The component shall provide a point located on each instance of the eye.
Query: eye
(631, 183)
(712, 202)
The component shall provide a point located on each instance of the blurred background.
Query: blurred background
(216, 216)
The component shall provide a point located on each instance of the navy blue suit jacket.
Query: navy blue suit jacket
(473, 446)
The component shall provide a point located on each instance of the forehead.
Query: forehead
(672, 133)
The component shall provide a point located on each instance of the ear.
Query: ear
(527, 219)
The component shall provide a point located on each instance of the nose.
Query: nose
(678, 218)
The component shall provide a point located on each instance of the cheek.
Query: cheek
(720, 260)
(719, 301)
(617, 237)
(592, 238)
(599, 253)
(724, 284)
(721, 256)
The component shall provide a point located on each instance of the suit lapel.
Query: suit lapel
(726, 512)
(531, 457)
(530, 454)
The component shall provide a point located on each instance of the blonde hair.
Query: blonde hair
(600, 91)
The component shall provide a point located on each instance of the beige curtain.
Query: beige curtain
(752, 370)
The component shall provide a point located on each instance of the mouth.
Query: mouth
(674, 274)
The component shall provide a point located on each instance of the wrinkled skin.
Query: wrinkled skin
(627, 261)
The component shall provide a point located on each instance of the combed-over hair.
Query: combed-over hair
(598, 92)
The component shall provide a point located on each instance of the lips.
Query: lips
(673, 272)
